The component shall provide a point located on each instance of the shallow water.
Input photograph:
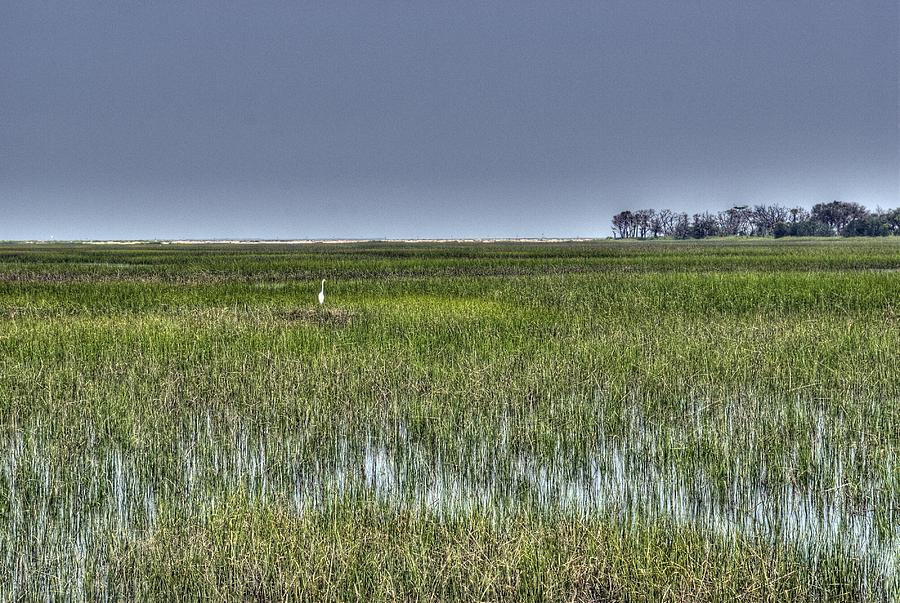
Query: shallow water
(55, 515)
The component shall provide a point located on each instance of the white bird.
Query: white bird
(322, 293)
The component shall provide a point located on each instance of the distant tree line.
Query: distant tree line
(837, 218)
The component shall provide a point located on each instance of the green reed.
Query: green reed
(596, 421)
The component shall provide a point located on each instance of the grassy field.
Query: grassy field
(667, 421)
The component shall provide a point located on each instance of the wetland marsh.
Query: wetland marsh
(591, 421)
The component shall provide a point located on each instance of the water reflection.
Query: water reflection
(54, 515)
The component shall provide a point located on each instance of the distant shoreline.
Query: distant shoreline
(300, 242)
(308, 241)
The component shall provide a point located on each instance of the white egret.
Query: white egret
(322, 294)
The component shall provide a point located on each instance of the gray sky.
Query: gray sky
(422, 119)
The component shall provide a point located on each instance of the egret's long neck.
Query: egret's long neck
(323, 286)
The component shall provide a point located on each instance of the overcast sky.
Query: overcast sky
(158, 119)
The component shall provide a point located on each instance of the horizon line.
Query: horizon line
(260, 241)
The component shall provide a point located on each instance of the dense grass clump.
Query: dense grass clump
(594, 421)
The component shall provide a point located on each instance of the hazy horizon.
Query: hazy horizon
(430, 120)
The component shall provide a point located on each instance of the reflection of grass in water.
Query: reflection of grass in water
(163, 433)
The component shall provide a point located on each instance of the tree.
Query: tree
(891, 217)
(682, 227)
(667, 220)
(642, 219)
(806, 228)
(825, 219)
(798, 214)
(734, 221)
(623, 222)
(870, 226)
(637, 224)
(838, 214)
(704, 225)
(765, 217)
(657, 225)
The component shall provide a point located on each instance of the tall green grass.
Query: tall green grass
(597, 421)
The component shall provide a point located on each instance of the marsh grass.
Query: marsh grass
(697, 421)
